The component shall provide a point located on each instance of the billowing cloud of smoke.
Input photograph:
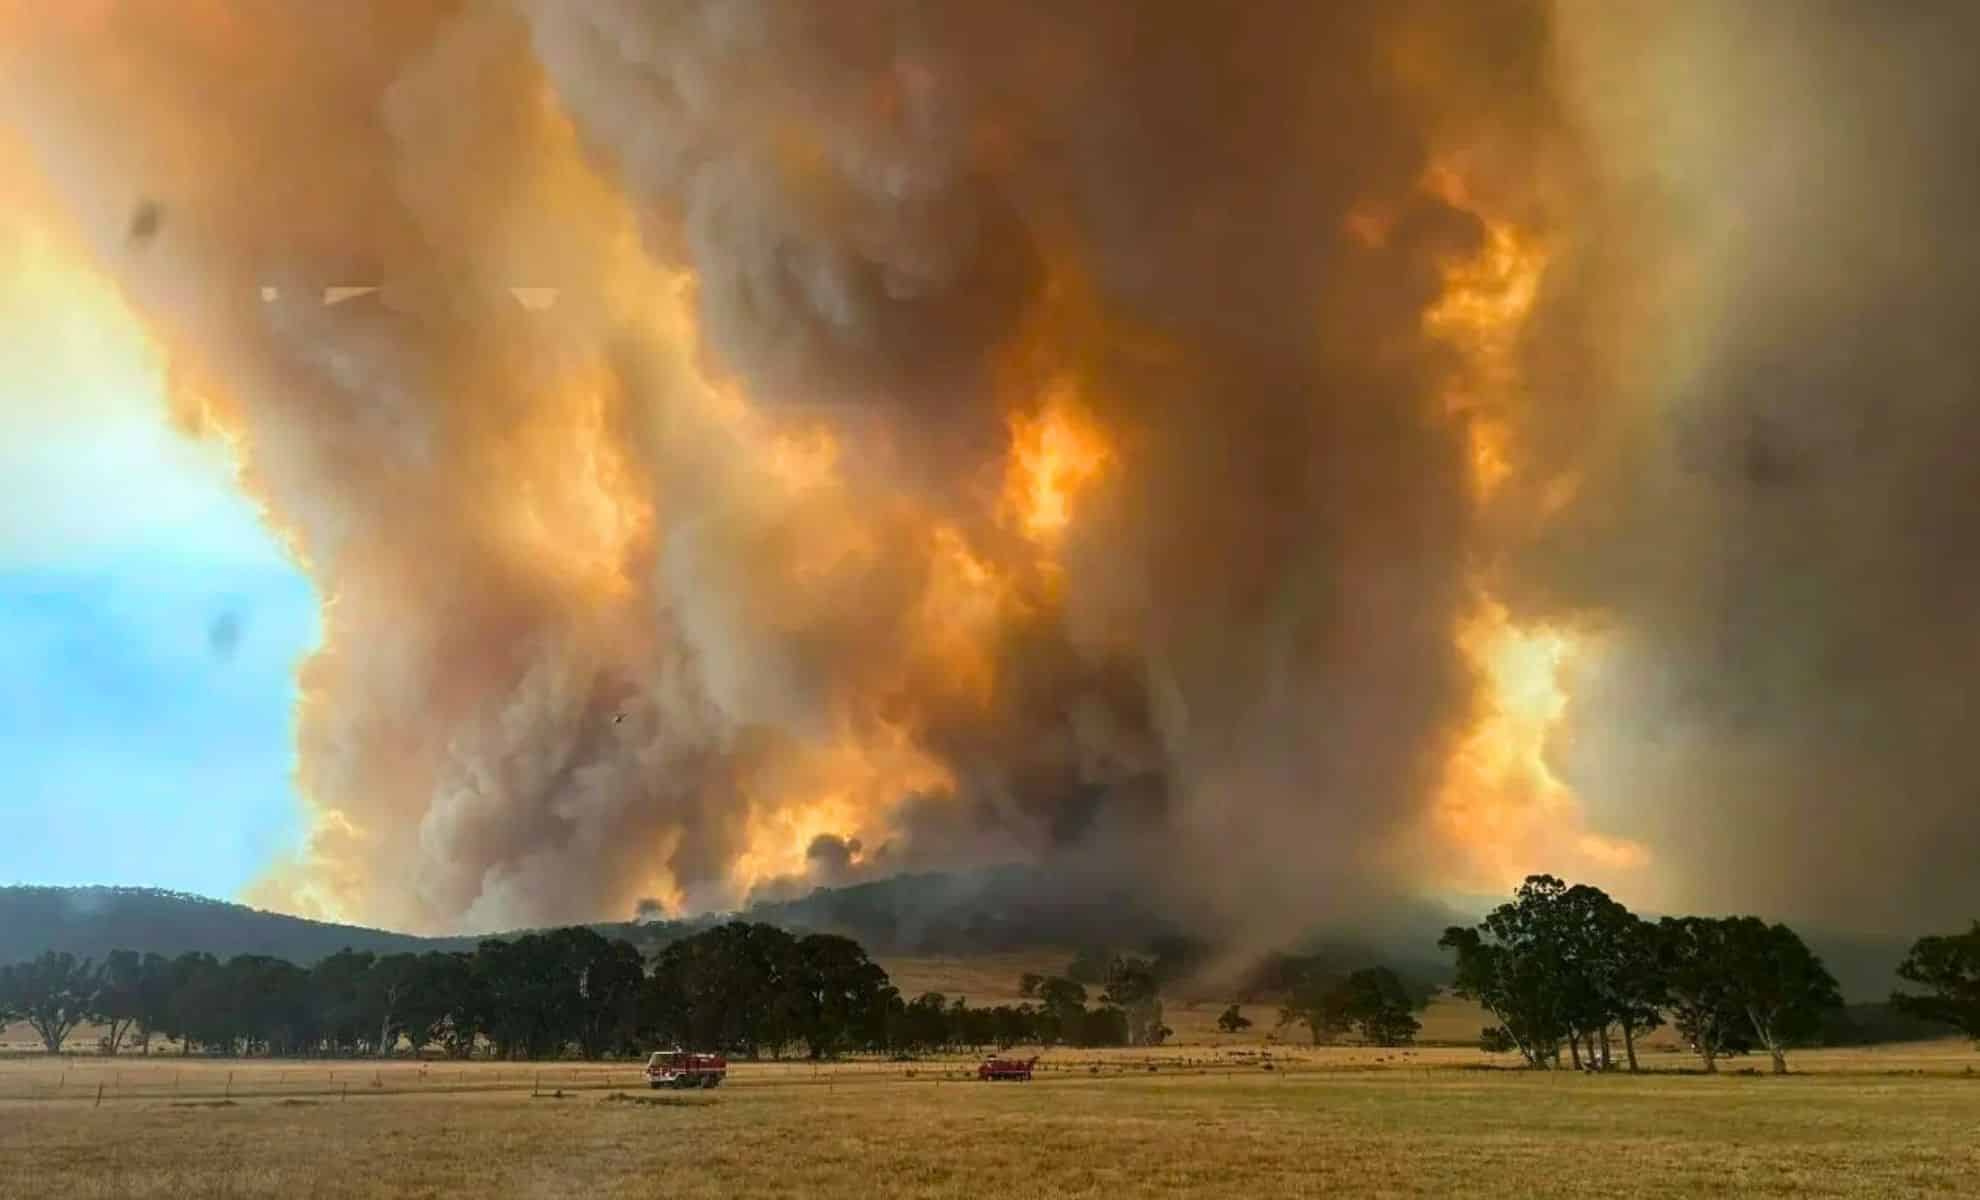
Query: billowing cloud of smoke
(742, 566)
(592, 629)
(1247, 684)
(1779, 493)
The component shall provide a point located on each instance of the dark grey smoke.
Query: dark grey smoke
(1778, 518)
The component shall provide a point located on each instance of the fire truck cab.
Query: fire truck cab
(683, 1069)
(993, 1069)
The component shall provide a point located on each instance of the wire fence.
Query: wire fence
(196, 1080)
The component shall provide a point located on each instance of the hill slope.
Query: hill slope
(963, 915)
(92, 921)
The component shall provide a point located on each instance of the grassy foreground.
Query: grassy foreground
(1428, 1125)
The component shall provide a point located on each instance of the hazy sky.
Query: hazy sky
(149, 627)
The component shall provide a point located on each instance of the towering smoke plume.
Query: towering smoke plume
(1275, 452)
(1779, 483)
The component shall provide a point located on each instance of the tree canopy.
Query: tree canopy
(1562, 966)
(1948, 967)
(53, 994)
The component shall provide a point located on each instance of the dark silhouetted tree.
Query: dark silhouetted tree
(1104, 1025)
(119, 997)
(1062, 1016)
(1011, 1026)
(925, 1024)
(1549, 966)
(1513, 978)
(841, 995)
(1633, 979)
(200, 1013)
(344, 991)
(156, 980)
(1134, 988)
(1374, 1002)
(1949, 968)
(455, 1000)
(612, 974)
(730, 988)
(1696, 957)
(1779, 984)
(389, 990)
(1233, 1021)
(53, 994)
(1313, 1001)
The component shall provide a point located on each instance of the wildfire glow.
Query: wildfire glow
(1501, 806)
(849, 786)
(582, 523)
(1481, 313)
(1055, 454)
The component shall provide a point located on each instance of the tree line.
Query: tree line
(741, 988)
(1564, 967)
(1564, 971)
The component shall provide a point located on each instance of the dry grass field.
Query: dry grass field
(1207, 1122)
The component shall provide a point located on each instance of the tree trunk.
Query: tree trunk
(1574, 1047)
(1711, 1057)
(1605, 1048)
(1629, 1044)
(1774, 1048)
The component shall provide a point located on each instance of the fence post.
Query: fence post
(99, 1094)
(229, 1094)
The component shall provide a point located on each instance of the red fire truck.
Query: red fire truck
(994, 1069)
(682, 1069)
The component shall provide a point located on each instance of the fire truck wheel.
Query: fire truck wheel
(654, 1084)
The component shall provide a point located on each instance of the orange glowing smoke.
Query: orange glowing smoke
(1056, 453)
(1481, 314)
(583, 523)
(846, 788)
(1502, 809)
